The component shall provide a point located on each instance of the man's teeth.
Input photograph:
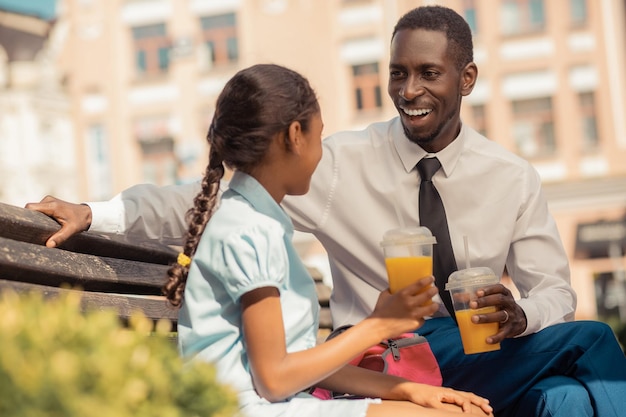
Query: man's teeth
(419, 112)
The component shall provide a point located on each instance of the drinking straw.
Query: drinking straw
(467, 261)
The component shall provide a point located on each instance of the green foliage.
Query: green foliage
(58, 362)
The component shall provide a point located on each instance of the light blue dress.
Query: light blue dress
(247, 245)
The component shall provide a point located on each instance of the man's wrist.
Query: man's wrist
(87, 216)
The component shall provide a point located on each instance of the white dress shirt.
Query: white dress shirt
(366, 184)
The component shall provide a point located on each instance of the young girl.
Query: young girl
(248, 304)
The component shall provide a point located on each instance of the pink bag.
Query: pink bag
(408, 356)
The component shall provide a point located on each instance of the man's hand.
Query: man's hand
(509, 315)
(73, 218)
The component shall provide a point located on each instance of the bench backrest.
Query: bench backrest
(109, 271)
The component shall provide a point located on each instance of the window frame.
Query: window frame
(366, 86)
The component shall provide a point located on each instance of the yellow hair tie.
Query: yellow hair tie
(183, 260)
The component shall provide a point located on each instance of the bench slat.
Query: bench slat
(154, 307)
(34, 227)
(36, 264)
(108, 271)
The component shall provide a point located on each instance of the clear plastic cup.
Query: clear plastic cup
(408, 256)
(463, 285)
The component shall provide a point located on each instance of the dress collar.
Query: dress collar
(258, 197)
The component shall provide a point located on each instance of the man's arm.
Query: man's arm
(146, 212)
(142, 213)
(73, 218)
(538, 265)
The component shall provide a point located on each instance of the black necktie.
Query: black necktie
(433, 215)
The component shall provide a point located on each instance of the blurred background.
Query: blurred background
(99, 95)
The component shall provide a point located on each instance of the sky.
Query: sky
(44, 9)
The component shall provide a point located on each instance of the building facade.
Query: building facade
(36, 131)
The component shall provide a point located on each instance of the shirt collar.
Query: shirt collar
(258, 197)
(410, 153)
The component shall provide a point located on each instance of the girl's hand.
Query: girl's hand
(447, 398)
(405, 310)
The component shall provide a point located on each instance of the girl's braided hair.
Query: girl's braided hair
(255, 105)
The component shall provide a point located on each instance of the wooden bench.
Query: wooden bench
(109, 271)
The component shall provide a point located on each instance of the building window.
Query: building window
(232, 48)
(469, 11)
(163, 58)
(366, 79)
(578, 12)
(152, 49)
(219, 35)
(533, 127)
(480, 119)
(158, 161)
(522, 16)
(140, 61)
(99, 166)
(588, 119)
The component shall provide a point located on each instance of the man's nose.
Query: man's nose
(412, 88)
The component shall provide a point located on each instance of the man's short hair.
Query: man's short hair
(442, 19)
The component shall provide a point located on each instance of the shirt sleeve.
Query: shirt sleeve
(253, 258)
(538, 264)
(146, 212)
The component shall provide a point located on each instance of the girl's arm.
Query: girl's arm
(367, 383)
(278, 374)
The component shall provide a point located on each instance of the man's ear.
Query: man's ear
(295, 140)
(469, 74)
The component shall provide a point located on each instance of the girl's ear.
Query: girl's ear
(295, 139)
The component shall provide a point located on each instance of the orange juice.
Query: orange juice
(474, 335)
(404, 271)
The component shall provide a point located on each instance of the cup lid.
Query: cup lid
(471, 277)
(408, 235)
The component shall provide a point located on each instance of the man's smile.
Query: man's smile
(416, 112)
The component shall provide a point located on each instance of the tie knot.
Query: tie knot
(427, 168)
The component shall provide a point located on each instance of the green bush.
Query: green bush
(58, 362)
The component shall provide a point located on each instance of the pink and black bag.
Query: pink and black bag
(408, 356)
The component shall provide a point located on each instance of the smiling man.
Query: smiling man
(367, 183)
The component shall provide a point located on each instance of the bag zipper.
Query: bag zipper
(395, 350)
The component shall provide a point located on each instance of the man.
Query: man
(367, 183)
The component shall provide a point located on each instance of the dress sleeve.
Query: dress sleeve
(253, 258)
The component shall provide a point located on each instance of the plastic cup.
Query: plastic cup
(463, 285)
(408, 256)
